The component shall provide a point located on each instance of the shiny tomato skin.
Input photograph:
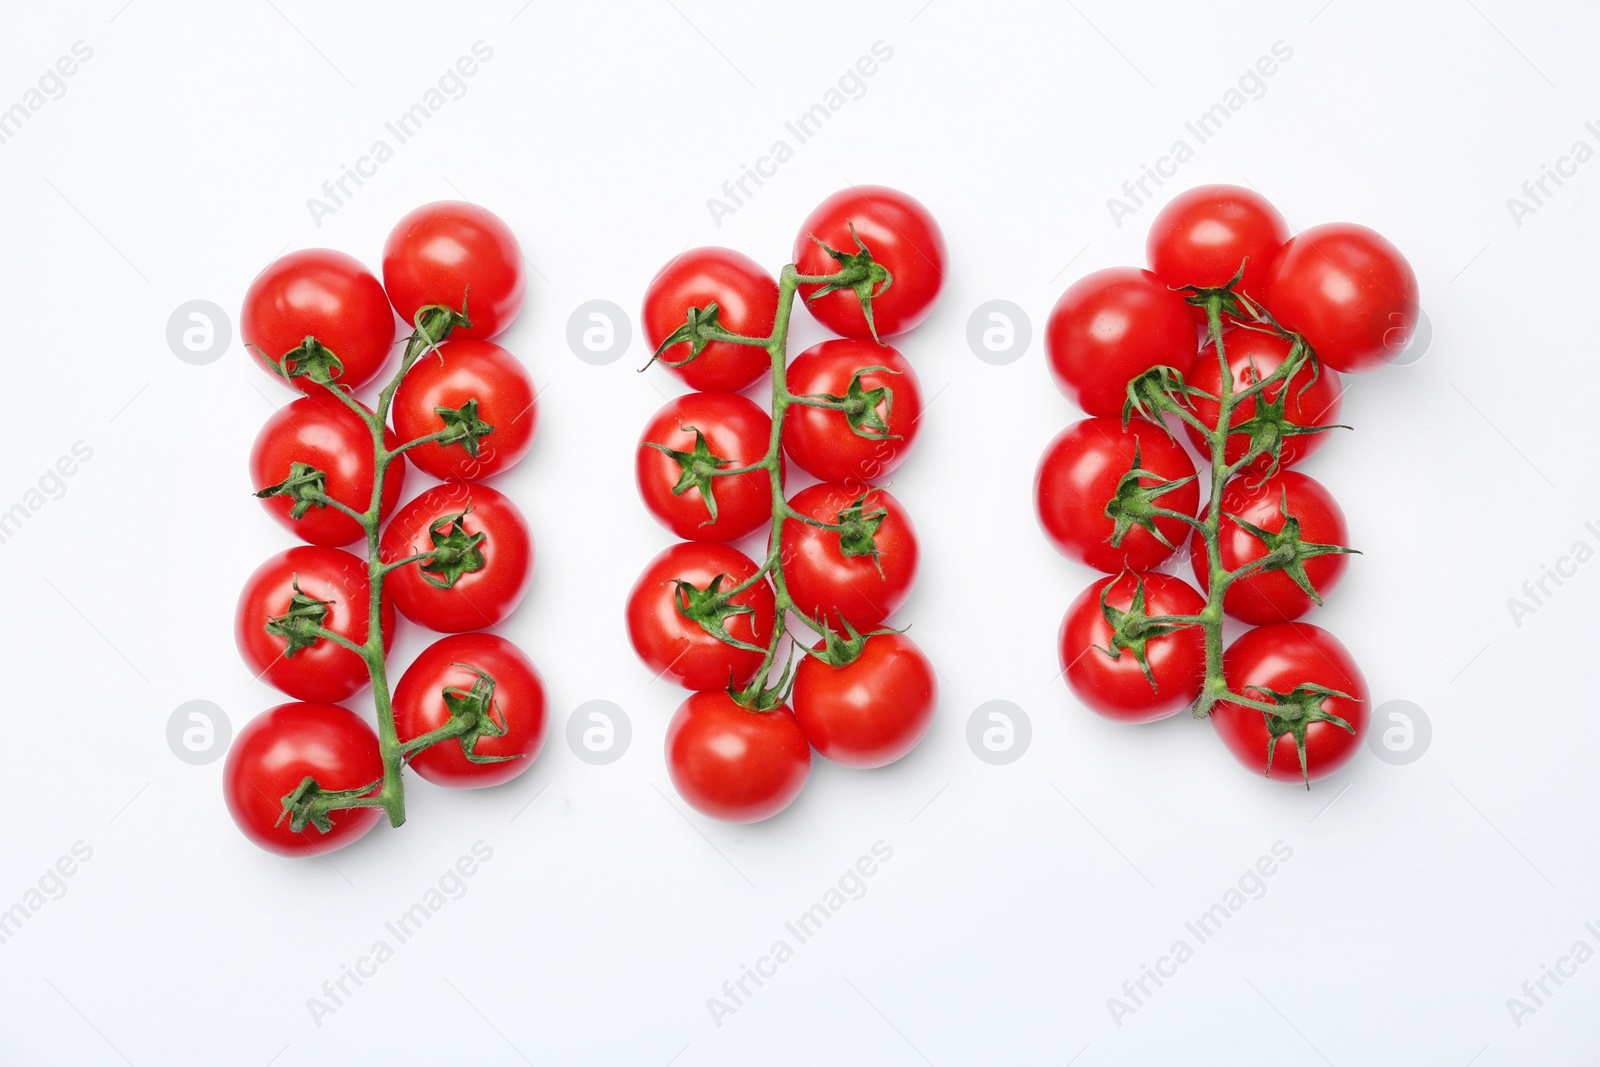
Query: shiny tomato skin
(1252, 356)
(478, 599)
(1348, 291)
(1205, 234)
(674, 647)
(323, 672)
(450, 250)
(902, 236)
(1078, 475)
(1273, 596)
(323, 432)
(319, 293)
(821, 441)
(1280, 657)
(733, 764)
(747, 304)
(1117, 688)
(279, 749)
(824, 583)
(872, 711)
(519, 707)
(460, 371)
(736, 430)
(1111, 326)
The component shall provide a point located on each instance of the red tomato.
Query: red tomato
(485, 559)
(822, 441)
(323, 432)
(482, 675)
(1253, 356)
(679, 648)
(1349, 292)
(450, 251)
(321, 670)
(1110, 327)
(902, 238)
(1274, 596)
(734, 764)
(747, 303)
(872, 711)
(1282, 658)
(459, 372)
(1119, 688)
(323, 294)
(279, 749)
(1204, 235)
(735, 433)
(824, 582)
(1079, 473)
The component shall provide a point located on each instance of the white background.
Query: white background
(1019, 898)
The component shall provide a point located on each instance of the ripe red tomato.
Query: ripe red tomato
(902, 237)
(320, 671)
(322, 432)
(1204, 235)
(1253, 356)
(485, 559)
(707, 431)
(459, 372)
(1112, 326)
(871, 711)
(822, 441)
(1282, 658)
(747, 303)
(679, 648)
(1348, 291)
(863, 588)
(1119, 688)
(324, 294)
(1079, 473)
(1274, 596)
(279, 749)
(449, 251)
(451, 671)
(734, 764)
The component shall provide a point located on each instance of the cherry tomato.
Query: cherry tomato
(679, 648)
(324, 294)
(747, 303)
(484, 675)
(1119, 688)
(1274, 596)
(323, 432)
(1252, 356)
(450, 251)
(863, 588)
(1348, 291)
(1079, 473)
(1112, 326)
(735, 433)
(734, 764)
(886, 402)
(871, 711)
(279, 749)
(901, 236)
(1203, 236)
(485, 558)
(458, 372)
(320, 671)
(1283, 657)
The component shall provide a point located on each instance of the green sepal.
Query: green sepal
(861, 274)
(1268, 425)
(299, 625)
(711, 608)
(473, 710)
(455, 551)
(302, 806)
(760, 697)
(1131, 630)
(306, 486)
(1134, 504)
(312, 359)
(436, 321)
(462, 426)
(860, 406)
(1302, 706)
(1157, 390)
(697, 470)
(1287, 551)
(698, 325)
(858, 529)
(840, 650)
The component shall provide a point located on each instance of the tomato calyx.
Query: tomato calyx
(471, 717)
(300, 626)
(1292, 712)
(698, 469)
(859, 273)
(711, 608)
(1134, 504)
(309, 804)
(1268, 425)
(310, 359)
(434, 322)
(462, 426)
(1286, 551)
(841, 650)
(758, 696)
(701, 326)
(455, 551)
(1157, 390)
(860, 406)
(306, 486)
(858, 529)
(1132, 629)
